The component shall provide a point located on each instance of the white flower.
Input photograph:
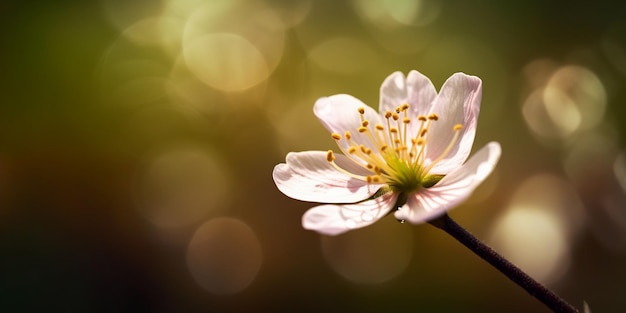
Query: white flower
(410, 157)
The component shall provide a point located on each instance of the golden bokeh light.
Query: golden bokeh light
(390, 14)
(557, 196)
(164, 32)
(182, 187)
(533, 239)
(572, 100)
(370, 255)
(226, 61)
(619, 168)
(232, 45)
(224, 256)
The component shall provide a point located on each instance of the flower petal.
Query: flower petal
(336, 219)
(452, 189)
(308, 176)
(458, 102)
(339, 113)
(416, 90)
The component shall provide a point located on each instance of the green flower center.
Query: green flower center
(391, 154)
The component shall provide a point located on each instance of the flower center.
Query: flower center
(392, 154)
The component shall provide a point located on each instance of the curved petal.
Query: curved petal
(339, 113)
(452, 189)
(416, 89)
(336, 219)
(307, 176)
(458, 102)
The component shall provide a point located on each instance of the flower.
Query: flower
(409, 158)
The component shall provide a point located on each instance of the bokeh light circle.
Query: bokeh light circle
(181, 187)
(532, 239)
(573, 99)
(370, 255)
(226, 61)
(232, 45)
(224, 256)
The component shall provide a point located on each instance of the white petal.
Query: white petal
(416, 89)
(421, 93)
(336, 219)
(452, 189)
(307, 176)
(458, 102)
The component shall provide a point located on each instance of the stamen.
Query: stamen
(330, 156)
(391, 156)
(445, 152)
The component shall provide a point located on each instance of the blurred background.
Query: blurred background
(138, 138)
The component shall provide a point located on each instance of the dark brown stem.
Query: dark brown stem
(533, 287)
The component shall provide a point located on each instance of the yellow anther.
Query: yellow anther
(380, 127)
(423, 133)
(376, 179)
(369, 166)
(393, 130)
(433, 116)
(336, 136)
(330, 156)
(362, 129)
(365, 123)
(387, 114)
(420, 141)
(398, 110)
(397, 141)
(352, 149)
(395, 116)
(406, 120)
(348, 135)
(457, 127)
(363, 149)
(422, 118)
(368, 179)
(361, 110)
(383, 148)
(404, 106)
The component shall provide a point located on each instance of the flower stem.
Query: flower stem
(533, 287)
